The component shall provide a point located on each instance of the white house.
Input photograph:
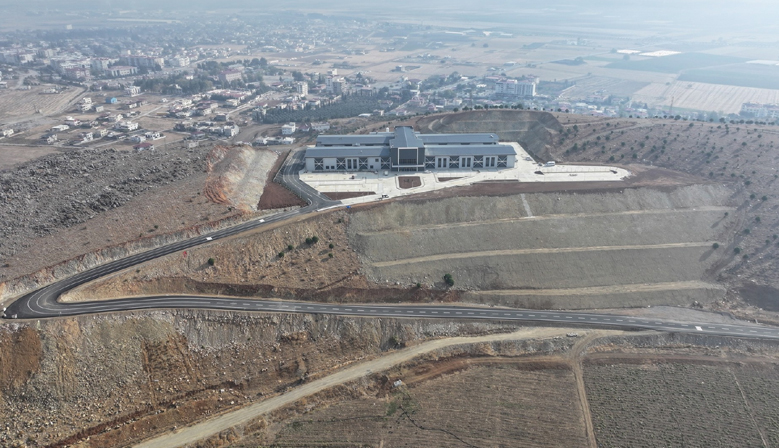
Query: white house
(288, 129)
(138, 139)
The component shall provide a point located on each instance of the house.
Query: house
(132, 91)
(118, 71)
(230, 131)
(287, 141)
(320, 127)
(153, 135)
(126, 126)
(60, 128)
(144, 147)
(406, 150)
(7, 132)
(110, 100)
(86, 137)
(138, 139)
(70, 121)
(288, 129)
(50, 138)
(99, 108)
(100, 133)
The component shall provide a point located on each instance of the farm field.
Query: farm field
(23, 103)
(613, 86)
(700, 96)
(701, 405)
(496, 405)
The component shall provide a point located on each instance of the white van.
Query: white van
(549, 163)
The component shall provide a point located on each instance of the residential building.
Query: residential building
(143, 61)
(132, 91)
(406, 150)
(126, 126)
(229, 76)
(179, 61)
(302, 88)
(512, 87)
(320, 127)
(138, 138)
(121, 70)
(288, 129)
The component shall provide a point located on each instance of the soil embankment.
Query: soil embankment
(237, 175)
(555, 250)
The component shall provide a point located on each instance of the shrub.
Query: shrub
(330, 255)
(715, 246)
(211, 261)
(331, 245)
(315, 239)
(737, 250)
(449, 280)
(309, 241)
(281, 254)
(290, 247)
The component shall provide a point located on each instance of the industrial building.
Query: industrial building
(406, 150)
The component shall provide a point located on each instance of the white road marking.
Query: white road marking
(698, 328)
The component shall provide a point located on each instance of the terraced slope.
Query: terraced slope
(555, 250)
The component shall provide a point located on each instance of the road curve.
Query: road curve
(43, 302)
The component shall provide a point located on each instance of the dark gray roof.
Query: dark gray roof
(452, 139)
(405, 137)
(470, 150)
(341, 140)
(348, 151)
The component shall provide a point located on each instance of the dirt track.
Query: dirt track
(202, 430)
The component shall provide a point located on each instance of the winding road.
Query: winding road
(43, 302)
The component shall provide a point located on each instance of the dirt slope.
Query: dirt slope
(534, 131)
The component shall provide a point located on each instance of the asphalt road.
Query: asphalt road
(43, 302)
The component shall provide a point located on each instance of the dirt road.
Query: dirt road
(202, 430)
(496, 253)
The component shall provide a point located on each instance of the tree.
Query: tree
(290, 247)
(211, 262)
(315, 239)
(449, 280)
(715, 246)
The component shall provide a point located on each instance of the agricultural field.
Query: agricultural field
(613, 86)
(723, 99)
(675, 63)
(24, 103)
(483, 406)
(746, 75)
(700, 405)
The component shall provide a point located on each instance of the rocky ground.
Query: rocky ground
(115, 379)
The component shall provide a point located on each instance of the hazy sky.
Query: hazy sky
(728, 15)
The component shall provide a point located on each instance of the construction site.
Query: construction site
(676, 222)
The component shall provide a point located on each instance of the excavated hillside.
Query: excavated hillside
(535, 131)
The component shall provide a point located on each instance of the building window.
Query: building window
(502, 161)
(478, 162)
(340, 164)
(429, 162)
(319, 164)
(385, 163)
(363, 163)
(454, 162)
(489, 162)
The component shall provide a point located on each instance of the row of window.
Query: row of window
(451, 162)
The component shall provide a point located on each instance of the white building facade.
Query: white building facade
(406, 150)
